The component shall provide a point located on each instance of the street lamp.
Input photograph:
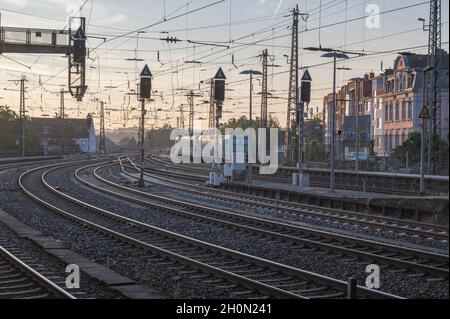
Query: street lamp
(251, 72)
(342, 55)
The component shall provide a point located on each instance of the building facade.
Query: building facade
(66, 135)
(392, 99)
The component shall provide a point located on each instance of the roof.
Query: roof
(420, 61)
(72, 128)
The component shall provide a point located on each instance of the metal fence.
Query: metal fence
(384, 153)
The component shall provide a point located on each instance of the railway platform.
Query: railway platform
(433, 209)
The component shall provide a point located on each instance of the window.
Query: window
(391, 112)
(410, 110)
(397, 139)
(397, 111)
(403, 110)
(386, 112)
(411, 80)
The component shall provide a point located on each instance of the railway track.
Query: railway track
(20, 281)
(302, 210)
(283, 180)
(364, 250)
(248, 275)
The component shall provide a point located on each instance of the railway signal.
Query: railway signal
(219, 93)
(144, 94)
(305, 97)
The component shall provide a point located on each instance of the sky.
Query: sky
(246, 27)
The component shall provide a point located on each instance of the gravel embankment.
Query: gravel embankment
(327, 264)
(142, 266)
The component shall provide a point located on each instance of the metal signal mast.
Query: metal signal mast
(102, 148)
(263, 119)
(45, 41)
(293, 99)
(190, 96)
(212, 107)
(22, 112)
(181, 124)
(433, 94)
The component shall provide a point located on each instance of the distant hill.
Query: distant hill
(117, 135)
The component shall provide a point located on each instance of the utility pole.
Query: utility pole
(264, 93)
(190, 98)
(357, 127)
(181, 116)
(289, 142)
(62, 116)
(61, 104)
(22, 113)
(433, 97)
(293, 99)
(333, 129)
(102, 129)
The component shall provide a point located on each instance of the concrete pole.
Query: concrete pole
(301, 144)
(333, 128)
(23, 114)
(251, 102)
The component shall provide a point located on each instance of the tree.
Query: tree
(411, 147)
(8, 129)
(132, 143)
(10, 132)
(316, 151)
(243, 123)
(124, 141)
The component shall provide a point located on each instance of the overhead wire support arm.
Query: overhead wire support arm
(209, 44)
(50, 41)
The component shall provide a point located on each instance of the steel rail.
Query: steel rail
(255, 285)
(380, 222)
(34, 276)
(272, 229)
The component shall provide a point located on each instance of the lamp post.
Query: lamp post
(145, 94)
(342, 55)
(251, 73)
